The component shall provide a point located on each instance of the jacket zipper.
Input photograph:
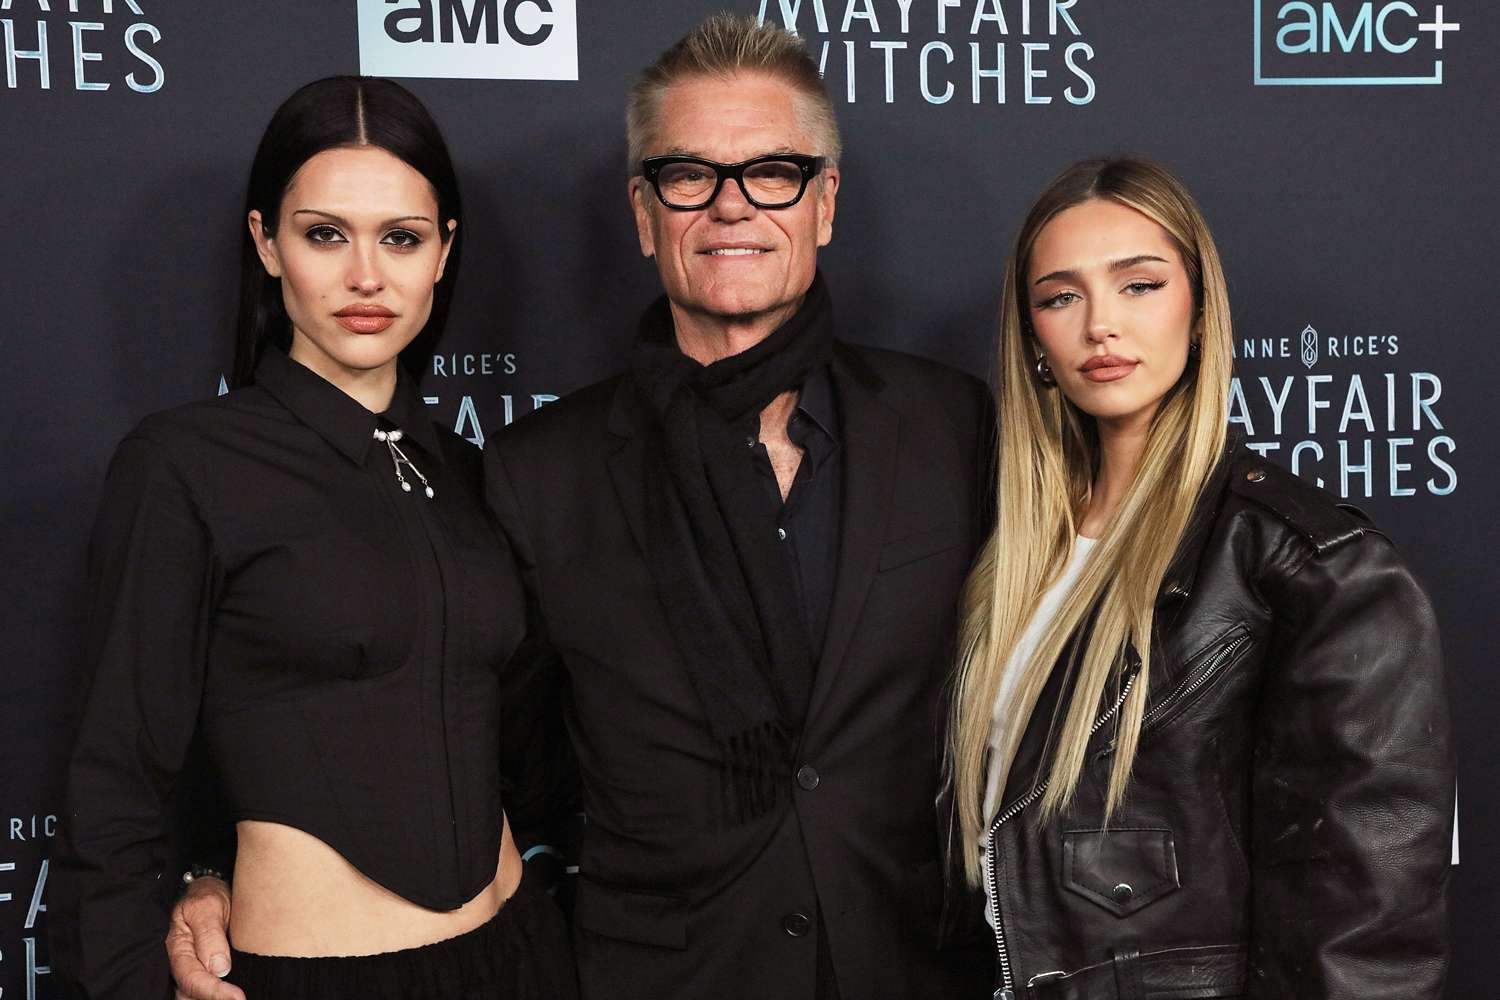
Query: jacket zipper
(1006, 990)
(1201, 677)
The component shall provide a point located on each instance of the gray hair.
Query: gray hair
(721, 46)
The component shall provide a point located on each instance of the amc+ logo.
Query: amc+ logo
(1349, 43)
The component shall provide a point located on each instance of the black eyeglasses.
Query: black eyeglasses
(689, 182)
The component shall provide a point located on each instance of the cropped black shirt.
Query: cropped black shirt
(258, 575)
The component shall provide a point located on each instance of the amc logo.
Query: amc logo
(469, 39)
(1349, 43)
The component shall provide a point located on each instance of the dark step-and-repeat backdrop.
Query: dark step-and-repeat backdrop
(1345, 153)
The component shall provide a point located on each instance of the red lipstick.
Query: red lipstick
(365, 317)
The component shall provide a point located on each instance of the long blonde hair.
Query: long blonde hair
(1047, 460)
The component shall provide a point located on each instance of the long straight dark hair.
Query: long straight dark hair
(333, 113)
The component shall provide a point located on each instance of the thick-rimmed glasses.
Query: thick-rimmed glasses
(690, 182)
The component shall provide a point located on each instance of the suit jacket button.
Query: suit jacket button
(807, 777)
(796, 924)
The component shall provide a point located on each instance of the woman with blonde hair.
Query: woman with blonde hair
(1199, 743)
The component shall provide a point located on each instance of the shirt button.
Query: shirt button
(781, 534)
(807, 777)
(796, 924)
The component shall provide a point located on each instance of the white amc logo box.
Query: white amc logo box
(469, 39)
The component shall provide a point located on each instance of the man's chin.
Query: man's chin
(737, 307)
(747, 304)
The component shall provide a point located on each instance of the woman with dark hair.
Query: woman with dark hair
(302, 574)
(1199, 743)
(341, 112)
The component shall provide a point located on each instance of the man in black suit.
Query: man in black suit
(746, 554)
(744, 557)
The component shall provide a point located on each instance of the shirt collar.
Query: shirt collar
(337, 417)
(409, 412)
(816, 402)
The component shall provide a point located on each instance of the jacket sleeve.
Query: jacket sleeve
(150, 583)
(542, 788)
(1352, 798)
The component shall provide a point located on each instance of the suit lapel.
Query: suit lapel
(627, 466)
(870, 434)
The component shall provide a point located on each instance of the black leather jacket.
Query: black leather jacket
(1286, 833)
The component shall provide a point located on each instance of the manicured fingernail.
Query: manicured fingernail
(219, 965)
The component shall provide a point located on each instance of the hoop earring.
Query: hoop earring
(1044, 372)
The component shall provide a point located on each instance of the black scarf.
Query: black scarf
(711, 542)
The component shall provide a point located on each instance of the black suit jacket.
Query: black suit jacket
(667, 906)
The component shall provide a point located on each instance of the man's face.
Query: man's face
(729, 120)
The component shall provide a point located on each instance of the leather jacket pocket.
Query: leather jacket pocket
(639, 917)
(1205, 667)
(1121, 870)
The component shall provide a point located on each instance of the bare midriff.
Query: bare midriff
(293, 895)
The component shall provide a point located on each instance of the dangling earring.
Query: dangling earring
(1044, 372)
(1194, 350)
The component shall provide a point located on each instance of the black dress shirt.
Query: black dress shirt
(807, 528)
(258, 574)
(808, 522)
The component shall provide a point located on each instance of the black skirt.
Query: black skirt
(522, 953)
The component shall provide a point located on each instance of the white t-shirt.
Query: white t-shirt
(1046, 611)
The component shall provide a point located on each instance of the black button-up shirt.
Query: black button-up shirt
(258, 574)
(807, 525)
